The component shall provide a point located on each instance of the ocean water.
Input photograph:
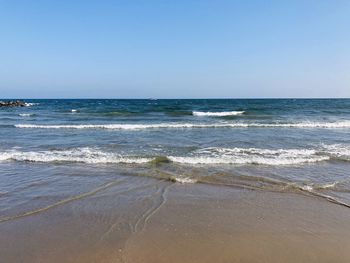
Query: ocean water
(57, 148)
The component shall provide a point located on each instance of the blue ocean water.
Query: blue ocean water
(299, 145)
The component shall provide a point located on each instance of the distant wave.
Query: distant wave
(217, 114)
(26, 114)
(208, 156)
(28, 104)
(305, 125)
(121, 126)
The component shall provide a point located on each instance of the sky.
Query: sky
(174, 49)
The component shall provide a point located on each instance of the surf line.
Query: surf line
(62, 202)
(328, 198)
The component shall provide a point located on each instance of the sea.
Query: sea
(54, 149)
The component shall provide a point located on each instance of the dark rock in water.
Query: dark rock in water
(159, 160)
(12, 103)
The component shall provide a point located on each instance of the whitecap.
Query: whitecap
(28, 104)
(337, 151)
(217, 114)
(306, 125)
(204, 156)
(77, 155)
(123, 126)
(256, 156)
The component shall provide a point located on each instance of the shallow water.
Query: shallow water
(55, 149)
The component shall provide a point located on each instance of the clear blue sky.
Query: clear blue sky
(174, 49)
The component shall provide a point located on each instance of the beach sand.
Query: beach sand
(149, 221)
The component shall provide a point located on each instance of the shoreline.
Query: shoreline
(140, 219)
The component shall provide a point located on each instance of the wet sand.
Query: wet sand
(148, 220)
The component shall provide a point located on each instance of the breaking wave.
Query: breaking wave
(205, 156)
(338, 151)
(217, 114)
(305, 125)
(79, 155)
(250, 156)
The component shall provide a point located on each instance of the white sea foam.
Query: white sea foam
(73, 110)
(79, 155)
(337, 151)
(305, 125)
(250, 156)
(328, 186)
(28, 104)
(123, 126)
(312, 187)
(184, 180)
(307, 188)
(239, 160)
(205, 156)
(25, 114)
(217, 114)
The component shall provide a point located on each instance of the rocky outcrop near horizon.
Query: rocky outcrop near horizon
(12, 103)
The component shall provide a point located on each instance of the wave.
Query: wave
(250, 156)
(78, 155)
(120, 126)
(29, 104)
(305, 125)
(257, 156)
(204, 156)
(337, 151)
(26, 114)
(217, 114)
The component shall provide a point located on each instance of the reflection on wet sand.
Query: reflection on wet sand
(139, 219)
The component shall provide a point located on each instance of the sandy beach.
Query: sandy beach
(138, 219)
(174, 131)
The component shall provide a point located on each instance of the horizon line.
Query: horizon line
(151, 98)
